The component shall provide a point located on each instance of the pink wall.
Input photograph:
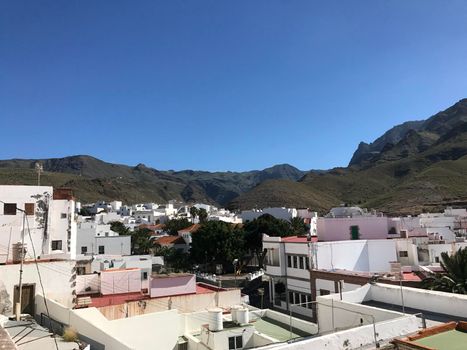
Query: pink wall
(120, 281)
(173, 285)
(338, 229)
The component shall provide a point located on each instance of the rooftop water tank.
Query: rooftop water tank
(234, 312)
(243, 316)
(215, 319)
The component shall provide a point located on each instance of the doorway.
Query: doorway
(27, 298)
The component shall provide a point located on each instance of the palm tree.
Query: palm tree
(298, 226)
(194, 213)
(455, 278)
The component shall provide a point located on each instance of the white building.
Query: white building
(288, 262)
(44, 216)
(94, 238)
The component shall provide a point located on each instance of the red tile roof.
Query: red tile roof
(192, 228)
(166, 240)
(410, 276)
(152, 227)
(299, 239)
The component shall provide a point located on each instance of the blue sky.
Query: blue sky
(222, 85)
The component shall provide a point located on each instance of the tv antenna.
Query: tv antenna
(39, 170)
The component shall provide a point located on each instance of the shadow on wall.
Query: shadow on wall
(5, 301)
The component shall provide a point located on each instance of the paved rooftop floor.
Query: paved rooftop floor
(432, 316)
(449, 340)
(5, 340)
(278, 330)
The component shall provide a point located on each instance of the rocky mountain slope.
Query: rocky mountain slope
(413, 167)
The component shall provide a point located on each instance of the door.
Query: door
(27, 298)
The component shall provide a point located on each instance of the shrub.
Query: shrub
(70, 335)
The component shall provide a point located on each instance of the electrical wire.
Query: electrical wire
(40, 282)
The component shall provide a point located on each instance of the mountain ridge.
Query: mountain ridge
(413, 167)
(86, 173)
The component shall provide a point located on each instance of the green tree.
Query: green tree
(455, 278)
(175, 259)
(202, 215)
(120, 228)
(269, 225)
(173, 226)
(141, 242)
(218, 242)
(298, 226)
(194, 213)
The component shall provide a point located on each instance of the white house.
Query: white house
(94, 238)
(44, 216)
(288, 262)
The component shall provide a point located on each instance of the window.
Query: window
(354, 232)
(236, 342)
(307, 264)
(84, 250)
(437, 259)
(295, 265)
(29, 208)
(80, 270)
(56, 245)
(403, 254)
(63, 215)
(324, 292)
(9, 209)
(101, 249)
(289, 261)
(297, 298)
(291, 297)
(145, 276)
(302, 265)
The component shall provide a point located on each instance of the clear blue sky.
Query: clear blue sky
(222, 85)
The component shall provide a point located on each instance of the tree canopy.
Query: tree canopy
(218, 242)
(173, 226)
(120, 228)
(141, 242)
(271, 226)
(202, 215)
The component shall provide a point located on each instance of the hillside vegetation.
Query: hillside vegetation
(414, 167)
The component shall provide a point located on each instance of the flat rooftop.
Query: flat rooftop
(277, 330)
(447, 336)
(117, 299)
(28, 335)
(432, 316)
(449, 340)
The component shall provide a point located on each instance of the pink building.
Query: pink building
(172, 284)
(363, 227)
(116, 281)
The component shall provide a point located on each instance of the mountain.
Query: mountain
(414, 167)
(93, 179)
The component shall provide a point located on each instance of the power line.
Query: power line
(40, 282)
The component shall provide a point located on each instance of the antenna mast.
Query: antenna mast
(39, 170)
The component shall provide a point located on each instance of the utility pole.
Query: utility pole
(20, 285)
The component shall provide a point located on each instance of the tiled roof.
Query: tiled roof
(165, 240)
(192, 228)
(299, 239)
